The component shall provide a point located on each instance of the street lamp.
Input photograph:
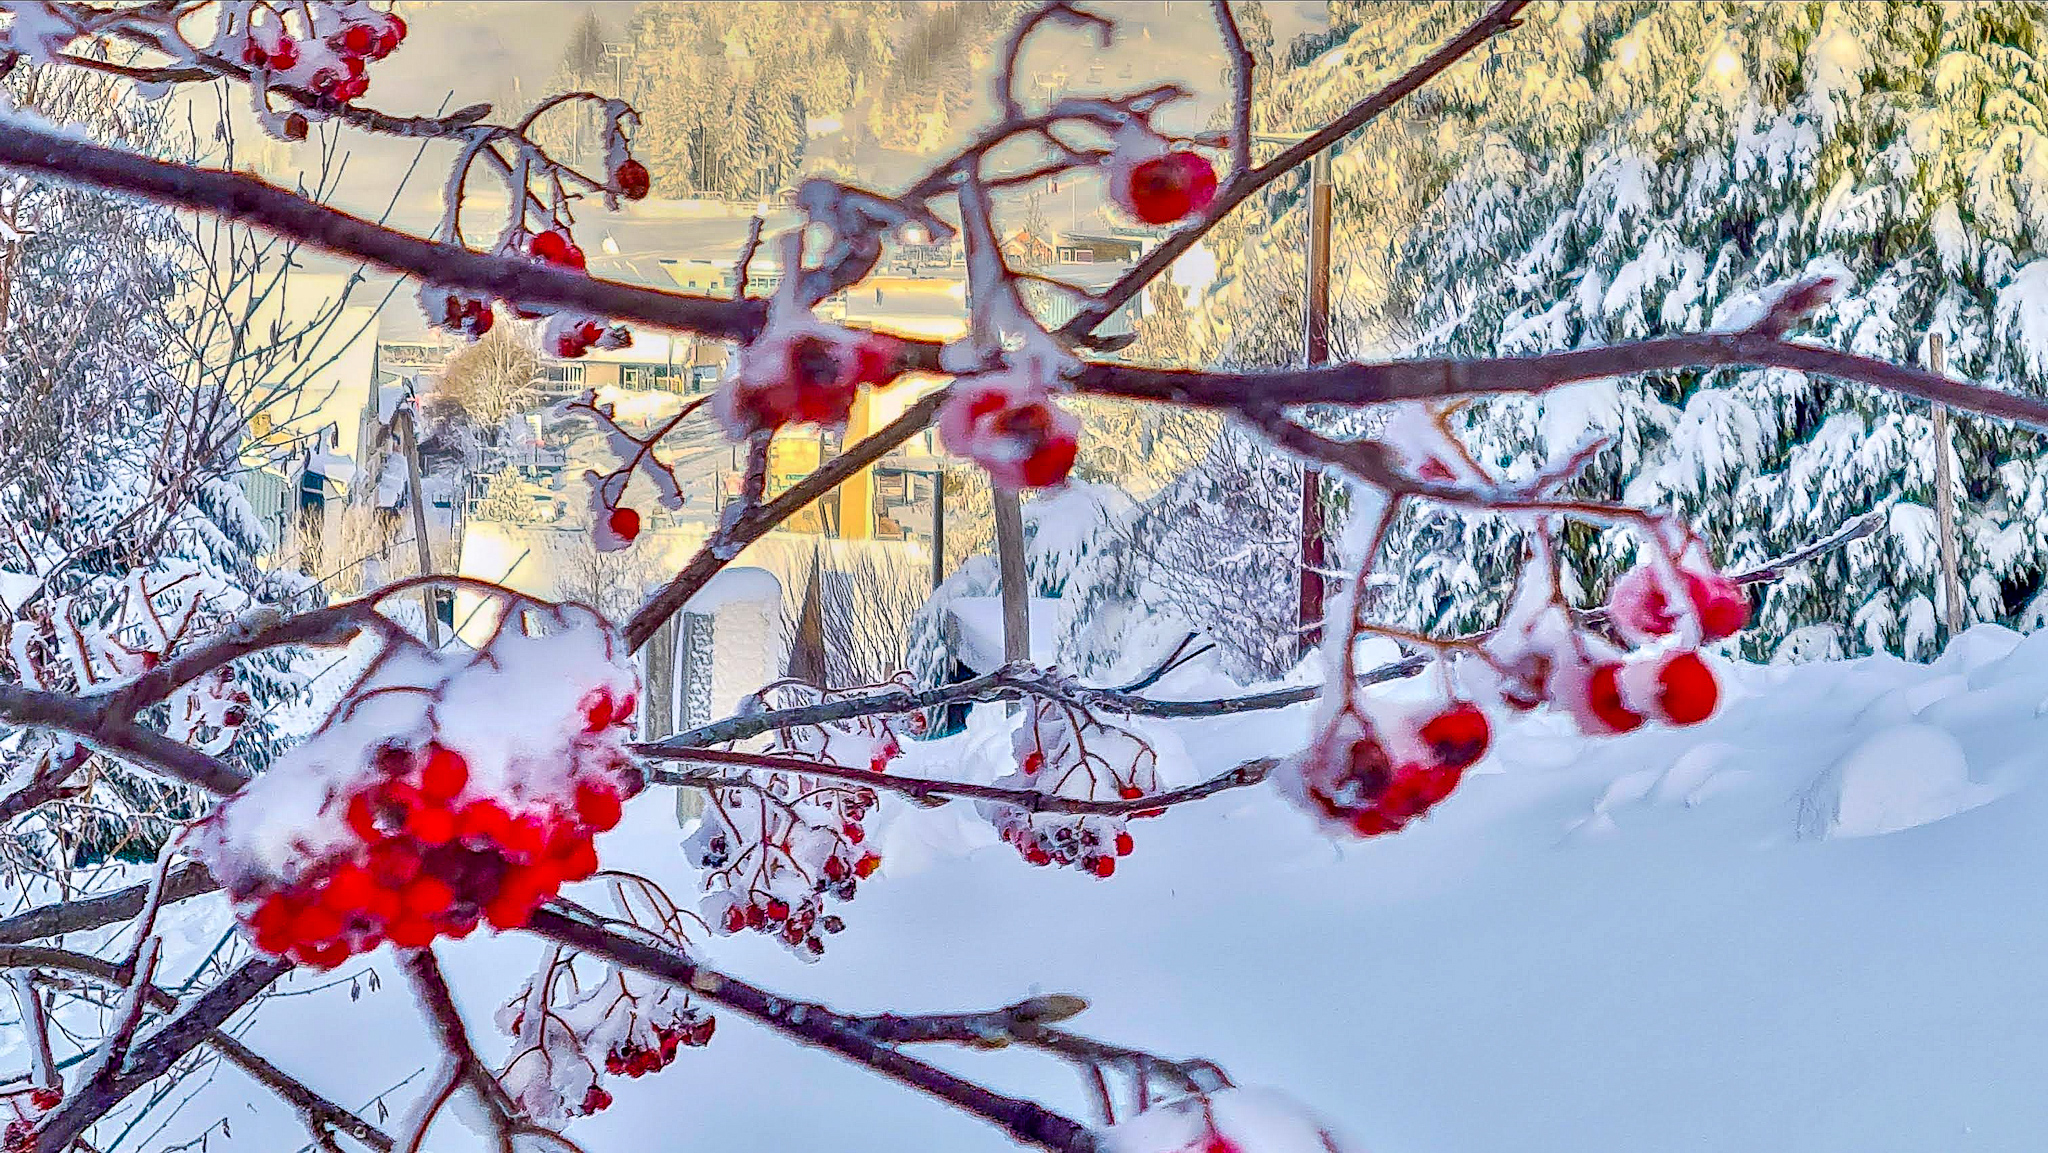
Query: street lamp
(1315, 350)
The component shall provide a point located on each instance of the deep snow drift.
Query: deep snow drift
(1816, 922)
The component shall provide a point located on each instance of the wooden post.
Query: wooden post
(1010, 557)
(1945, 504)
(938, 527)
(1316, 346)
(409, 445)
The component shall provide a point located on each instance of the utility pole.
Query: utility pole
(938, 527)
(1945, 504)
(1316, 346)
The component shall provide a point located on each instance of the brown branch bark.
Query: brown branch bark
(184, 882)
(118, 737)
(1026, 1121)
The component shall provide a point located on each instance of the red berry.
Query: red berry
(361, 816)
(394, 27)
(756, 917)
(316, 924)
(835, 868)
(632, 180)
(579, 862)
(428, 897)
(1102, 866)
(1035, 854)
(1171, 186)
(274, 924)
(320, 956)
(596, 1100)
(349, 889)
(735, 920)
(598, 711)
(444, 775)
(1034, 761)
(1373, 822)
(1130, 792)
(597, 807)
(624, 522)
(524, 837)
(1686, 691)
(854, 833)
(394, 863)
(323, 81)
(483, 823)
(866, 866)
(1457, 736)
(45, 1098)
(253, 54)
(1723, 608)
(551, 246)
(412, 933)
(430, 824)
(358, 39)
(776, 909)
(1603, 700)
(1124, 844)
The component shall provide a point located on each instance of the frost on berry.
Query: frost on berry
(615, 524)
(1061, 751)
(470, 316)
(800, 370)
(775, 845)
(446, 790)
(325, 49)
(1640, 603)
(571, 1030)
(1370, 770)
(1229, 1120)
(1155, 181)
(1009, 425)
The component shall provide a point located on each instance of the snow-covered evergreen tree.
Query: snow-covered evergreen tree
(1612, 172)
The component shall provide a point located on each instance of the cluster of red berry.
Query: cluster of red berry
(692, 1027)
(471, 316)
(1610, 692)
(433, 857)
(339, 73)
(567, 337)
(798, 926)
(1373, 778)
(1065, 753)
(29, 1108)
(809, 376)
(1012, 429)
(1170, 186)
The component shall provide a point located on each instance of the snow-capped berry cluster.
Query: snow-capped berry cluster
(775, 845)
(1009, 424)
(615, 524)
(1063, 752)
(326, 52)
(569, 1036)
(803, 372)
(470, 316)
(1371, 769)
(29, 1107)
(445, 790)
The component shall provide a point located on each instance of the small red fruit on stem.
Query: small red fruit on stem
(1170, 187)
(1686, 690)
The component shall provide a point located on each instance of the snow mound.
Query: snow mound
(1899, 778)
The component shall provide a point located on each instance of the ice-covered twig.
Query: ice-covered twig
(1241, 65)
(919, 788)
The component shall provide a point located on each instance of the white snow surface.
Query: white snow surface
(1815, 922)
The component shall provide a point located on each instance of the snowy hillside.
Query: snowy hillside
(1815, 922)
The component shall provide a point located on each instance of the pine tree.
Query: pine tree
(1681, 159)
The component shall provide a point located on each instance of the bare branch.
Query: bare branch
(811, 1024)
